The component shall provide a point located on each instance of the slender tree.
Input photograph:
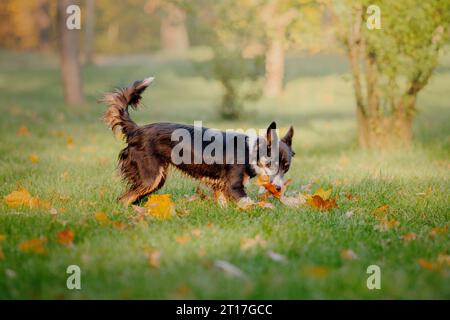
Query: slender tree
(89, 32)
(70, 64)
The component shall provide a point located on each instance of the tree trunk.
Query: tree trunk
(275, 65)
(70, 64)
(89, 32)
(174, 35)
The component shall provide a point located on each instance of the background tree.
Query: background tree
(229, 28)
(173, 31)
(89, 31)
(70, 64)
(390, 66)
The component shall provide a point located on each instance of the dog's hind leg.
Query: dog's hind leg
(149, 177)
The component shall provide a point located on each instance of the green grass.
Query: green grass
(318, 102)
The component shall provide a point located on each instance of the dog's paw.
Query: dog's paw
(221, 199)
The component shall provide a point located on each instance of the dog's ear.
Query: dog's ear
(271, 133)
(288, 136)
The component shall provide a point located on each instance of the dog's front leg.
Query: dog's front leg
(237, 192)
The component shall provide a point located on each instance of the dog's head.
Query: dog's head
(276, 161)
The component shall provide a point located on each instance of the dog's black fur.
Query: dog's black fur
(144, 162)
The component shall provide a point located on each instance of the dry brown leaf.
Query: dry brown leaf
(102, 217)
(317, 202)
(196, 232)
(425, 264)
(387, 224)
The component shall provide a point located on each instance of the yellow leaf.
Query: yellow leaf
(387, 224)
(324, 194)
(70, 142)
(182, 239)
(33, 158)
(102, 217)
(2, 237)
(196, 232)
(22, 197)
(33, 245)
(160, 206)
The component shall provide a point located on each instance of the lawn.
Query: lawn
(73, 168)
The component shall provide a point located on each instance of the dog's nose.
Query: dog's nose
(278, 188)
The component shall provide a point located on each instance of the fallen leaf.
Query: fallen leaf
(317, 202)
(324, 194)
(119, 225)
(348, 254)
(196, 232)
(349, 213)
(408, 236)
(387, 224)
(438, 230)
(22, 131)
(443, 259)
(249, 243)
(230, 269)
(276, 256)
(380, 209)
(2, 237)
(182, 239)
(66, 237)
(34, 158)
(70, 142)
(22, 197)
(425, 264)
(292, 201)
(160, 206)
(102, 217)
(33, 245)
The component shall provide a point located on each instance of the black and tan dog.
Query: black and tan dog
(144, 162)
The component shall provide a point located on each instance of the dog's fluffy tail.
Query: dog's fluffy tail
(116, 116)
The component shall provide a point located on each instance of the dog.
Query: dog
(149, 153)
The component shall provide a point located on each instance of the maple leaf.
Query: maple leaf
(65, 237)
(33, 245)
(317, 202)
(408, 236)
(160, 206)
(324, 194)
